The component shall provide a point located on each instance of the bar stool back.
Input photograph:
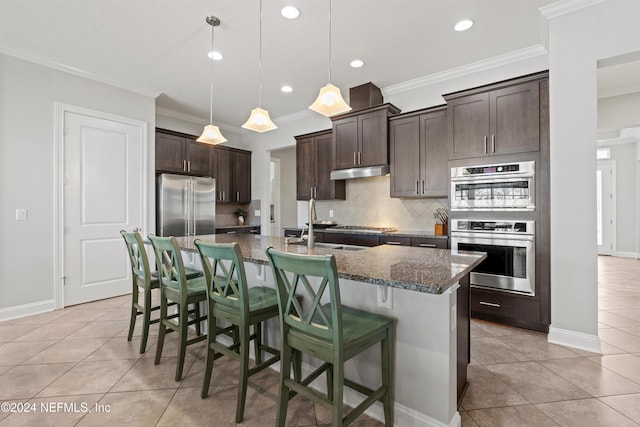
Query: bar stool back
(331, 332)
(176, 287)
(229, 298)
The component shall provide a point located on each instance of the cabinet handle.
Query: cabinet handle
(184, 165)
(427, 245)
(393, 243)
(315, 192)
(490, 304)
(485, 144)
(493, 143)
(359, 159)
(231, 232)
(238, 196)
(188, 165)
(354, 158)
(423, 186)
(417, 187)
(222, 195)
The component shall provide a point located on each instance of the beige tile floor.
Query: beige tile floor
(80, 356)
(516, 378)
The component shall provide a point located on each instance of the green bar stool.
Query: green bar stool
(331, 332)
(176, 287)
(143, 279)
(230, 299)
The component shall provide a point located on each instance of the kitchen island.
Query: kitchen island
(425, 290)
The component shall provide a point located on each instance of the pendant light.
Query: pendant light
(329, 101)
(259, 120)
(211, 134)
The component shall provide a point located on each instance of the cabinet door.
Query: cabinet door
(224, 175)
(198, 158)
(469, 126)
(433, 154)
(515, 119)
(325, 188)
(305, 168)
(404, 136)
(345, 134)
(242, 177)
(429, 242)
(373, 139)
(170, 153)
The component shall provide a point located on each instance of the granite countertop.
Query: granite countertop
(417, 269)
(402, 233)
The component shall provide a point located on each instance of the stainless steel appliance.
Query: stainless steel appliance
(510, 247)
(508, 186)
(186, 205)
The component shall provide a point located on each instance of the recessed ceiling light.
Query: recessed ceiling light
(463, 25)
(290, 12)
(286, 89)
(357, 63)
(215, 55)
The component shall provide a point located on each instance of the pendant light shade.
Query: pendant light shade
(211, 134)
(259, 120)
(330, 101)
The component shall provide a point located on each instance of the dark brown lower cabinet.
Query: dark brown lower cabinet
(507, 308)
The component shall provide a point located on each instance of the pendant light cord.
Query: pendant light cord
(260, 62)
(330, 58)
(213, 26)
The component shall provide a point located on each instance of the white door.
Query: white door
(104, 192)
(605, 192)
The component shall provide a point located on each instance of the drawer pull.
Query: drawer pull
(427, 245)
(490, 304)
(393, 243)
(231, 232)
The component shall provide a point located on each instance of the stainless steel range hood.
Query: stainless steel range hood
(363, 172)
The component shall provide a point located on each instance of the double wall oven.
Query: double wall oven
(491, 209)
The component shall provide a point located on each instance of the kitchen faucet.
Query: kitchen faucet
(312, 218)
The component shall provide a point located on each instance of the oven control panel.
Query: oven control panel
(488, 226)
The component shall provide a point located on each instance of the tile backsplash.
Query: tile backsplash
(368, 203)
(226, 218)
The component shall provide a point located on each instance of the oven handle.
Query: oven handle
(495, 238)
(502, 179)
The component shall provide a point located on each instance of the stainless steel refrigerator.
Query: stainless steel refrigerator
(186, 205)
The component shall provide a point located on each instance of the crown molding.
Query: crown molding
(196, 119)
(563, 7)
(628, 90)
(474, 67)
(50, 63)
(299, 115)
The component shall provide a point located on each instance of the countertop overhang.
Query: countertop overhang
(425, 270)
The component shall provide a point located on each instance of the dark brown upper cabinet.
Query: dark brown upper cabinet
(315, 157)
(362, 138)
(503, 118)
(181, 154)
(418, 152)
(232, 171)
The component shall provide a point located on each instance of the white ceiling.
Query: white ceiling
(160, 46)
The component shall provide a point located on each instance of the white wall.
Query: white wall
(288, 203)
(28, 92)
(577, 40)
(618, 112)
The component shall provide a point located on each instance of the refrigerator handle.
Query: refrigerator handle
(189, 206)
(193, 206)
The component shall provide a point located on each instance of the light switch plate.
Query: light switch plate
(385, 296)
(256, 212)
(330, 213)
(21, 214)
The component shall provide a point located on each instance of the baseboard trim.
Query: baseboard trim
(624, 254)
(574, 339)
(27, 309)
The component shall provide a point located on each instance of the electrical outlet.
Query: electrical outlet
(454, 318)
(256, 212)
(21, 214)
(385, 296)
(330, 213)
